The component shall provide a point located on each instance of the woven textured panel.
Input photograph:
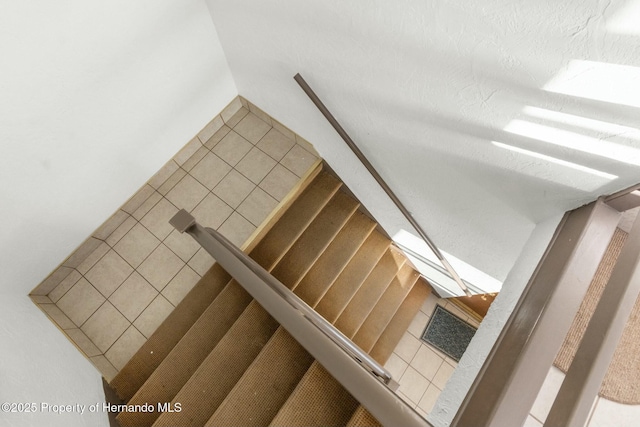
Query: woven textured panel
(448, 333)
(622, 381)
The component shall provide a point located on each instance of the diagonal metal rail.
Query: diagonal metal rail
(367, 164)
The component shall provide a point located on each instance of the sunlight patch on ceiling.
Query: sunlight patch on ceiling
(599, 147)
(601, 81)
(626, 19)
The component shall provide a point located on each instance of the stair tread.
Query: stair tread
(140, 367)
(385, 308)
(318, 400)
(315, 239)
(296, 219)
(184, 360)
(390, 337)
(370, 292)
(333, 260)
(266, 384)
(363, 418)
(222, 369)
(354, 273)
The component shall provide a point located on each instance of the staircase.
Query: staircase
(226, 361)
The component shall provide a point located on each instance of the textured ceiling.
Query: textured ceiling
(486, 117)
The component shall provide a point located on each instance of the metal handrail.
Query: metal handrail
(360, 374)
(352, 145)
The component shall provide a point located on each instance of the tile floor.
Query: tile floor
(421, 369)
(117, 288)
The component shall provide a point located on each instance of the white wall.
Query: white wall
(425, 88)
(94, 98)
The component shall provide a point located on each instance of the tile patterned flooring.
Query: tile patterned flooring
(421, 369)
(112, 294)
(231, 177)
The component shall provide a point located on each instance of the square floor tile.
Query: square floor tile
(136, 245)
(275, 144)
(195, 159)
(201, 262)
(105, 367)
(232, 148)
(298, 160)
(133, 296)
(443, 375)
(255, 165)
(237, 229)
(257, 206)
(413, 385)
(83, 342)
(233, 188)
(119, 233)
(396, 366)
(407, 347)
(105, 326)
(182, 244)
(109, 273)
(252, 128)
(187, 193)
(147, 206)
(427, 362)
(57, 316)
(153, 316)
(157, 220)
(93, 258)
(279, 182)
(172, 181)
(217, 137)
(161, 266)
(64, 286)
(125, 347)
(429, 398)
(80, 302)
(211, 212)
(210, 171)
(180, 285)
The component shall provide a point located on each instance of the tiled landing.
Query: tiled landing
(115, 290)
(420, 368)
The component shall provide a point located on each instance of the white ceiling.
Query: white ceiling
(486, 117)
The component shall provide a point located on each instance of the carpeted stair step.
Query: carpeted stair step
(352, 276)
(222, 369)
(390, 337)
(370, 292)
(362, 418)
(315, 239)
(266, 385)
(186, 357)
(296, 219)
(385, 308)
(318, 400)
(134, 374)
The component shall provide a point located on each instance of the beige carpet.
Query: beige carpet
(622, 381)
